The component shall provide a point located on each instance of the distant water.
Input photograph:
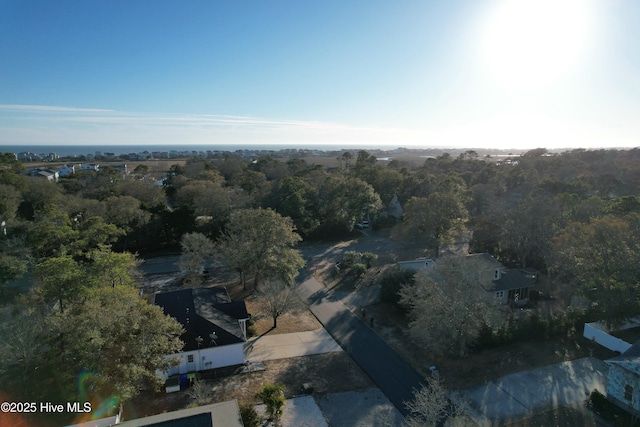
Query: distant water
(81, 150)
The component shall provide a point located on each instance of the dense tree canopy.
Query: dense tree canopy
(600, 259)
(116, 336)
(259, 242)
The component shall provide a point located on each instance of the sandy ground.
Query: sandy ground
(363, 408)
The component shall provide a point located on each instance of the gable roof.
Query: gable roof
(225, 414)
(509, 279)
(206, 313)
(487, 259)
(633, 351)
(629, 360)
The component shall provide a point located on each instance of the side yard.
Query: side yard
(485, 365)
(478, 367)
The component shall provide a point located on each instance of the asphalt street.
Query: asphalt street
(385, 367)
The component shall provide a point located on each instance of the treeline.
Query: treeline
(516, 209)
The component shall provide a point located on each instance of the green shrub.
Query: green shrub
(351, 257)
(358, 269)
(252, 331)
(250, 417)
(390, 285)
(272, 395)
(618, 417)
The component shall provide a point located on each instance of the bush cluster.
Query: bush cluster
(532, 327)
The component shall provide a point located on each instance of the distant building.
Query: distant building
(89, 167)
(49, 175)
(66, 170)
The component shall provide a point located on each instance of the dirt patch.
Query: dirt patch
(300, 321)
(326, 373)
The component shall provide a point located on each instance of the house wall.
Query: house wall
(618, 379)
(595, 332)
(208, 358)
(501, 295)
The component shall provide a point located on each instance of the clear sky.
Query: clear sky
(450, 73)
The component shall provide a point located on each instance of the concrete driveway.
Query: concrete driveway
(283, 346)
(363, 408)
(529, 392)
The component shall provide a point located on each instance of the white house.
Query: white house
(623, 385)
(49, 175)
(89, 167)
(215, 328)
(66, 170)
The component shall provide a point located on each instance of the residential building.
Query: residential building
(507, 285)
(623, 385)
(223, 414)
(215, 328)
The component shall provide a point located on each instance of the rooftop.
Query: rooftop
(206, 313)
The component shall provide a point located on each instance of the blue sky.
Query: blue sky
(455, 73)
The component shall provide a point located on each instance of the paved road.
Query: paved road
(165, 264)
(385, 367)
(160, 265)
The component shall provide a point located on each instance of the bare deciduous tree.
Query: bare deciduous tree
(201, 392)
(430, 407)
(277, 298)
(448, 307)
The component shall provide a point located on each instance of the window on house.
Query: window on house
(500, 294)
(628, 392)
(496, 274)
(190, 358)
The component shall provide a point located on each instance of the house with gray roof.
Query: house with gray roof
(215, 328)
(221, 414)
(507, 285)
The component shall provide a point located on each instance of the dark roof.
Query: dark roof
(221, 414)
(207, 313)
(629, 360)
(200, 420)
(511, 279)
(633, 351)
